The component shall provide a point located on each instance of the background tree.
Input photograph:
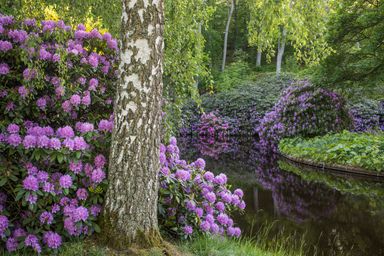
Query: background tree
(130, 210)
(301, 23)
(356, 34)
(230, 12)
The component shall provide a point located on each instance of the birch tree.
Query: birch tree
(130, 212)
(230, 12)
(302, 24)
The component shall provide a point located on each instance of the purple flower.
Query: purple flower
(54, 143)
(29, 74)
(65, 181)
(95, 210)
(100, 161)
(187, 230)
(93, 60)
(67, 107)
(43, 141)
(220, 206)
(31, 183)
(93, 83)
(97, 176)
(65, 132)
(44, 54)
(29, 141)
(46, 218)
(3, 224)
(41, 103)
(32, 241)
(11, 244)
(182, 175)
(210, 196)
(82, 194)
(14, 140)
(18, 36)
(86, 99)
(80, 214)
(238, 192)
(200, 164)
(4, 69)
(5, 46)
(205, 226)
(23, 91)
(30, 22)
(79, 143)
(52, 239)
(209, 176)
(199, 211)
(222, 218)
(76, 167)
(75, 100)
(13, 128)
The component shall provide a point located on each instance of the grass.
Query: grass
(263, 245)
(363, 150)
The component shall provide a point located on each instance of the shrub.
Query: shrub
(56, 104)
(368, 115)
(192, 200)
(363, 150)
(306, 111)
(247, 102)
(214, 126)
(234, 74)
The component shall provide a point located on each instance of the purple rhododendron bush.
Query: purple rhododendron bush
(304, 110)
(56, 105)
(193, 200)
(56, 91)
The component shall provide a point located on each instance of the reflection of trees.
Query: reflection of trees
(339, 217)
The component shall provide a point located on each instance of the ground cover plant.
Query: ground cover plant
(364, 150)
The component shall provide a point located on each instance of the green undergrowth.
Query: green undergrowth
(364, 150)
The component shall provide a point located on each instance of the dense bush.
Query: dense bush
(367, 115)
(192, 200)
(364, 150)
(247, 103)
(234, 74)
(213, 126)
(306, 111)
(56, 101)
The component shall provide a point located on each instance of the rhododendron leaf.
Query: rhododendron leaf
(96, 228)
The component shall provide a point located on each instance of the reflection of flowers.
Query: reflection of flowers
(293, 196)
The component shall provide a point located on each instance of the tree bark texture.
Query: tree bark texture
(130, 210)
(226, 34)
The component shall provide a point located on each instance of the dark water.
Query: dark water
(335, 216)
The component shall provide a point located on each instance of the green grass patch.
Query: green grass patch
(363, 150)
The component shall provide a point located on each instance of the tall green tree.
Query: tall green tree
(302, 24)
(356, 33)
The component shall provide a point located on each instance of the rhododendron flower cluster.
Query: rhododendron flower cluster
(304, 110)
(213, 126)
(55, 99)
(192, 200)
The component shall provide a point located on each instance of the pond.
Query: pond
(332, 215)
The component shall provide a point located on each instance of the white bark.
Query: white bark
(130, 210)
(280, 51)
(258, 58)
(226, 34)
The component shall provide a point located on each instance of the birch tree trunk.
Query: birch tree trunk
(280, 51)
(130, 210)
(258, 58)
(226, 34)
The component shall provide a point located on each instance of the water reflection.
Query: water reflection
(339, 216)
